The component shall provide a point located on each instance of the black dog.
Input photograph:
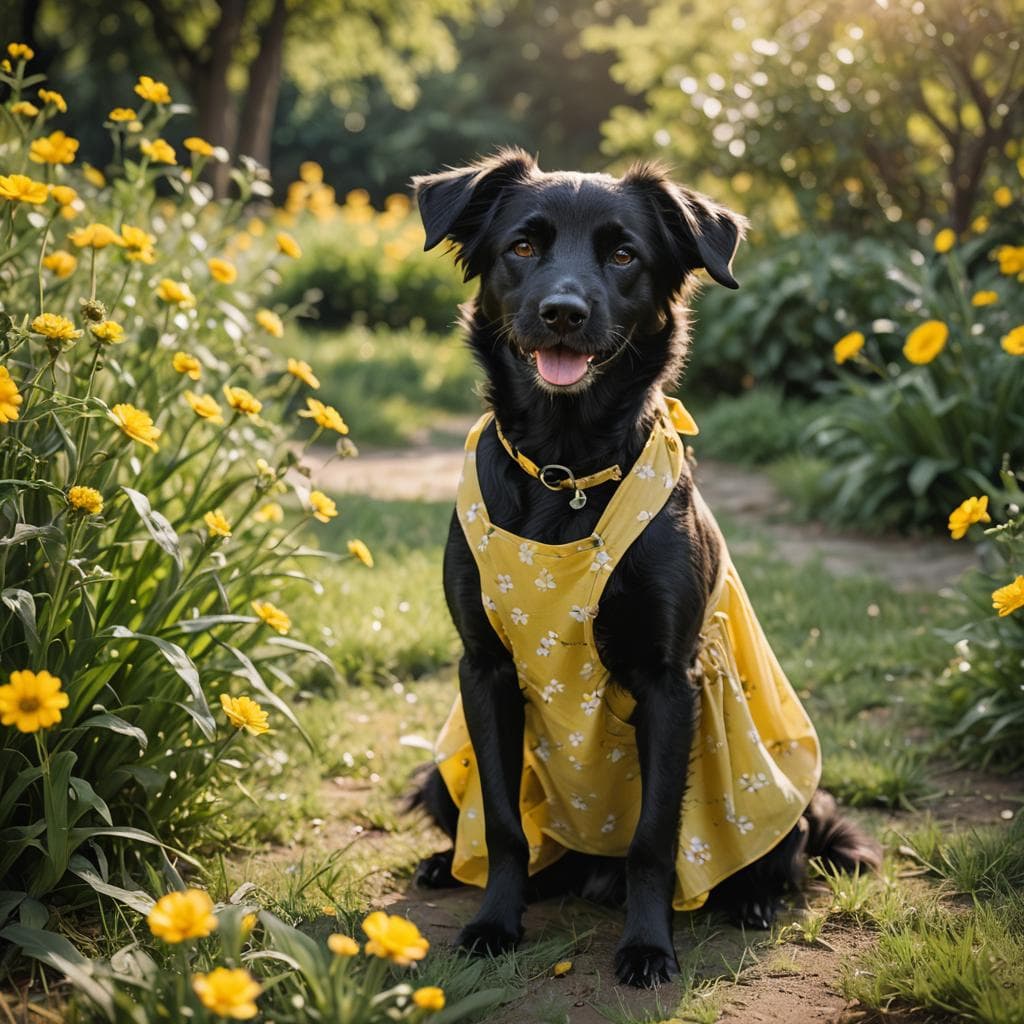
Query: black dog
(579, 326)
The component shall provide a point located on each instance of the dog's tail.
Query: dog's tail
(837, 840)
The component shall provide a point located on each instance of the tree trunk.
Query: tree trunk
(254, 136)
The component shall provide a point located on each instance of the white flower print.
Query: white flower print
(643, 515)
(519, 617)
(699, 852)
(616, 754)
(549, 691)
(576, 738)
(483, 542)
(602, 560)
(751, 783)
(667, 482)
(578, 802)
(645, 472)
(543, 749)
(591, 701)
(471, 512)
(545, 581)
(586, 670)
(743, 823)
(754, 736)
(489, 603)
(581, 613)
(609, 824)
(504, 582)
(526, 553)
(471, 814)
(546, 643)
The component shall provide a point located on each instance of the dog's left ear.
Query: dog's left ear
(698, 231)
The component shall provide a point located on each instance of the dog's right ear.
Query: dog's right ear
(461, 203)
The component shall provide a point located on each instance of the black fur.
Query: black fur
(548, 249)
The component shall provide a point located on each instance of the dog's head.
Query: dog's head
(575, 267)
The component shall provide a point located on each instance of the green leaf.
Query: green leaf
(298, 645)
(134, 898)
(22, 604)
(476, 1003)
(115, 724)
(24, 532)
(86, 797)
(204, 622)
(311, 957)
(158, 526)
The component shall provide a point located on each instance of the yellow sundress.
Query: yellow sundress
(755, 759)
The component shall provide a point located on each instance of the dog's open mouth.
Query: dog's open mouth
(562, 366)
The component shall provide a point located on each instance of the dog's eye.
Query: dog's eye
(622, 257)
(523, 248)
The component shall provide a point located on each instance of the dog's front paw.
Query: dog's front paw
(436, 872)
(644, 966)
(759, 914)
(489, 938)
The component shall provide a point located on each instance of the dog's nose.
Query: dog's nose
(564, 313)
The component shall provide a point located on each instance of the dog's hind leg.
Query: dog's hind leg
(435, 871)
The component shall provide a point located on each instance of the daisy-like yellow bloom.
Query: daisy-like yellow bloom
(301, 369)
(984, 298)
(247, 925)
(56, 148)
(31, 701)
(1009, 598)
(848, 346)
(217, 523)
(228, 992)
(120, 114)
(980, 224)
(242, 401)
(199, 146)
(95, 236)
(24, 109)
(270, 322)
(325, 416)
(20, 51)
(1002, 196)
(180, 916)
(153, 91)
(288, 245)
(429, 998)
(222, 270)
(137, 424)
(87, 499)
(926, 341)
(966, 514)
(562, 968)
(323, 507)
(61, 262)
(138, 243)
(63, 195)
(160, 151)
(185, 363)
(245, 713)
(342, 945)
(19, 188)
(359, 550)
(52, 325)
(1011, 258)
(204, 406)
(109, 331)
(1014, 341)
(176, 293)
(94, 176)
(272, 616)
(271, 512)
(51, 96)
(394, 938)
(945, 240)
(9, 397)
(311, 172)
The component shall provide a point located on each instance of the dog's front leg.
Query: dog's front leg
(664, 728)
(493, 706)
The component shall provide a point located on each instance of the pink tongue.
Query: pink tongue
(560, 365)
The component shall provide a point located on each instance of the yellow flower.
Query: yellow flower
(1002, 196)
(242, 401)
(562, 968)
(185, 363)
(95, 236)
(139, 243)
(270, 322)
(429, 998)
(109, 331)
(61, 262)
(204, 406)
(271, 512)
(1005, 600)
(926, 341)
(217, 523)
(973, 510)
(155, 92)
(24, 109)
(9, 397)
(945, 240)
(160, 151)
(288, 245)
(228, 992)
(52, 325)
(984, 298)
(272, 616)
(22, 189)
(119, 114)
(326, 416)
(323, 507)
(848, 346)
(194, 144)
(301, 369)
(264, 469)
(980, 224)
(342, 945)
(394, 938)
(311, 172)
(93, 175)
(247, 925)
(56, 148)
(328, 910)
(222, 270)
(1011, 258)
(245, 713)
(255, 226)
(136, 423)
(175, 292)
(88, 499)
(359, 550)
(63, 195)
(182, 915)
(50, 96)
(1014, 341)
(31, 701)
(19, 51)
